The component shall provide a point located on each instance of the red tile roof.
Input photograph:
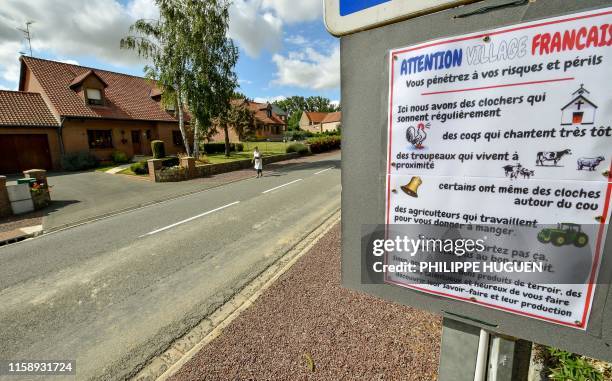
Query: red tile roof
(316, 117)
(81, 77)
(333, 117)
(260, 112)
(23, 109)
(126, 96)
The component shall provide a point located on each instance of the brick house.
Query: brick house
(73, 108)
(320, 121)
(268, 124)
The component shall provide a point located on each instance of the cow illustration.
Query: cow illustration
(509, 169)
(515, 170)
(589, 162)
(553, 156)
(526, 173)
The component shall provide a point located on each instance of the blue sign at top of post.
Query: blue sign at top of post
(351, 6)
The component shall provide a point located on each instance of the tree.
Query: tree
(192, 56)
(162, 42)
(295, 105)
(211, 80)
(239, 117)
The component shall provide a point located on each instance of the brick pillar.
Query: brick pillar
(5, 203)
(154, 166)
(188, 163)
(40, 199)
(39, 174)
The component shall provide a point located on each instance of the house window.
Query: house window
(148, 134)
(94, 97)
(269, 112)
(177, 138)
(100, 138)
(170, 107)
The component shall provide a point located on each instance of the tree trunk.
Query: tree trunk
(196, 148)
(182, 122)
(227, 143)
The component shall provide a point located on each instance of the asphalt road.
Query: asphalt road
(115, 292)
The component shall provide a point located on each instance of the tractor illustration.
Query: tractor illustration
(564, 234)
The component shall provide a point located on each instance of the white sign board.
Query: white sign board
(348, 16)
(510, 126)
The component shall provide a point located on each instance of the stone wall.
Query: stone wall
(213, 169)
(189, 170)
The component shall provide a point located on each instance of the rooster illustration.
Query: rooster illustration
(416, 136)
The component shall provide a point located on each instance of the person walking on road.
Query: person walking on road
(258, 162)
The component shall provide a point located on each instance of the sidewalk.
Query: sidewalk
(15, 228)
(307, 320)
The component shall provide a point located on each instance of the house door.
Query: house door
(136, 146)
(22, 152)
(577, 117)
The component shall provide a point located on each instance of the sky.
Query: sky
(284, 47)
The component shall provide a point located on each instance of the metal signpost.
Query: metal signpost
(495, 114)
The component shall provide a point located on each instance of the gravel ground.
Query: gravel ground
(306, 315)
(20, 221)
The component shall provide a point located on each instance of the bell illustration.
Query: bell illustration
(412, 187)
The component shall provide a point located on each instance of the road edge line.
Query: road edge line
(163, 366)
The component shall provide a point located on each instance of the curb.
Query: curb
(22, 237)
(162, 367)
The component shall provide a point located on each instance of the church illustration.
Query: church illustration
(580, 111)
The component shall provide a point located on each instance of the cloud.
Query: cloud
(292, 11)
(270, 99)
(296, 39)
(69, 28)
(245, 82)
(254, 30)
(308, 69)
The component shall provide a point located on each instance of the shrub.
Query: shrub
(568, 366)
(158, 148)
(298, 135)
(79, 161)
(324, 143)
(219, 147)
(120, 157)
(300, 148)
(140, 168)
(170, 161)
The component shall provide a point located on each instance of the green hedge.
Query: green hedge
(219, 147)
(158, 148)
(324, 143)
(298, 147)
(79, 161)
(120, 157)
(170, 161)
(140, 168)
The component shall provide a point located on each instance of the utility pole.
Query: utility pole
(27, 35)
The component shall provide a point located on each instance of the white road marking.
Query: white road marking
(280, 186)
(316, 173)
(189, 219)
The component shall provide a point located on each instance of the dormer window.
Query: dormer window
(94, 97)
(170, 107)
(269, 113)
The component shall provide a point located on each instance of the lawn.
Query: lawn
(105, 168)
(266, 148)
